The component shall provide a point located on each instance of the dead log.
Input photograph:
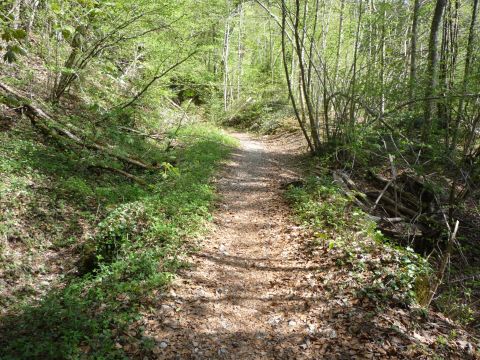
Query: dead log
(404, 195)
(121, 172)
(389, 201)
(403, 230)
(359, 200)
(379, 219)
(406, 221)
(350, 183)
(157, 136)
(417, 187)
(50, 127)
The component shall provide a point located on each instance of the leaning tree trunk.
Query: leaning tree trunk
(68, 76)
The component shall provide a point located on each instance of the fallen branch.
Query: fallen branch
(393, 220)
(350, 183)
(121, 172)
(404, 195)
(443, 263)
(185, 115)
(362, 202)
(386, 199)
(157, 136)
(381, 195)
(50, 127)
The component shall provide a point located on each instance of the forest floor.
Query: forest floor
(254, 290)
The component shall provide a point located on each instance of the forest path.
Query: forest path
(247, 294)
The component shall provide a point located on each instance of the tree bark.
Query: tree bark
(351, 126)
(226, 53)
(304, 81)
(466, 72)
(288, 79)
(413, 53)
(339, 42)
(17, 13)
(382, 58)
(432, 68)
(34, 8)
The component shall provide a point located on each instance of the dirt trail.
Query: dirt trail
(238, 300)
(256, 291)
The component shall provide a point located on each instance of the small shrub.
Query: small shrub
(76, 187)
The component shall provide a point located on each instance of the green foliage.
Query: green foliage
(337, 225)
(245, 115)
(77, 188)
(104, 52)
(12, 38)
(319, 204)
(458, 303)
(400, 284)
(134, 252)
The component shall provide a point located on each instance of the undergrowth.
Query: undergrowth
(131, 252)
(264, 115)
(385, 273)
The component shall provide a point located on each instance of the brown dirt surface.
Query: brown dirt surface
(254, 291)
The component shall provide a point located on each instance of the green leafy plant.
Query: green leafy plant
(13, 38)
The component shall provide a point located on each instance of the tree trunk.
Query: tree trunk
(443, 69)
(226, 52)
(17, 13)
(304, 81)
(339, 42)
(289, 82)
(413, 53)
(382, 57)
(34, 8)
(466, 73)
(351, 126)
(240, 53)
(432, 68)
